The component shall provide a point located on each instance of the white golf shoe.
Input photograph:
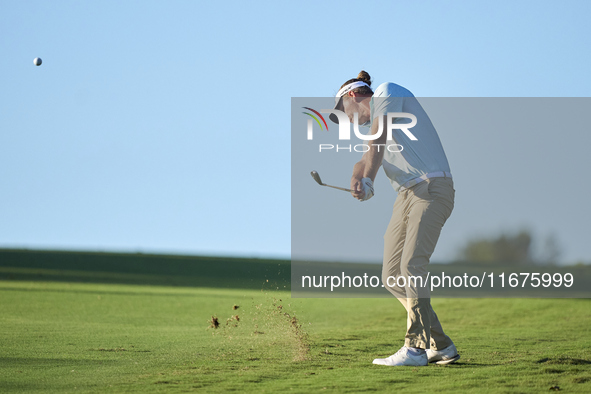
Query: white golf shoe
(403, 358)
(448, 355)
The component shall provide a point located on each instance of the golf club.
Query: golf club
(319, 181)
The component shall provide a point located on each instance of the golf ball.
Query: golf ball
(37, 61)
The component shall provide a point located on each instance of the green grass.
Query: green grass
(84, 336)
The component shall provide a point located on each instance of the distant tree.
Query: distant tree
(550, 252)
(508, 248)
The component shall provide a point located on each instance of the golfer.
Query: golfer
(418, 170)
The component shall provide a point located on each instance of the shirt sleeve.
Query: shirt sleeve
(387, 99)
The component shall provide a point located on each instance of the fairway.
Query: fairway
(60, 336)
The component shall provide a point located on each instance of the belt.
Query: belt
(438, 174)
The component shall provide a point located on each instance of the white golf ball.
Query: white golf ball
(37, 61)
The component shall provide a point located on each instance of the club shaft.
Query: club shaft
(336, 187)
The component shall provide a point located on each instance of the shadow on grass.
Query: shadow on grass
(14, 362)
(563, 360)
(144, 269)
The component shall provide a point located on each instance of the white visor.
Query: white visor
(346, 89)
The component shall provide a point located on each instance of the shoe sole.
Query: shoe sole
(448, 361)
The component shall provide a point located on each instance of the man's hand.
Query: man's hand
(357, 189)
(367, 185)
(362, 188)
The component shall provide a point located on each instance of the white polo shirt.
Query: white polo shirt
(417, 158)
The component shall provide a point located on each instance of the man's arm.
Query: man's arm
(370, 162)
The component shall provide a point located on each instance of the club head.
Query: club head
(316, 177)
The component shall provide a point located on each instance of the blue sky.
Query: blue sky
(165, 126)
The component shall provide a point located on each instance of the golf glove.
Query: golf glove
(367, 185)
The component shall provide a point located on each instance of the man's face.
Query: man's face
(359, 104)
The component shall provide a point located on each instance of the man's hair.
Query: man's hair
(362, 77)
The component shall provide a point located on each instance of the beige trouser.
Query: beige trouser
(419, 214)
